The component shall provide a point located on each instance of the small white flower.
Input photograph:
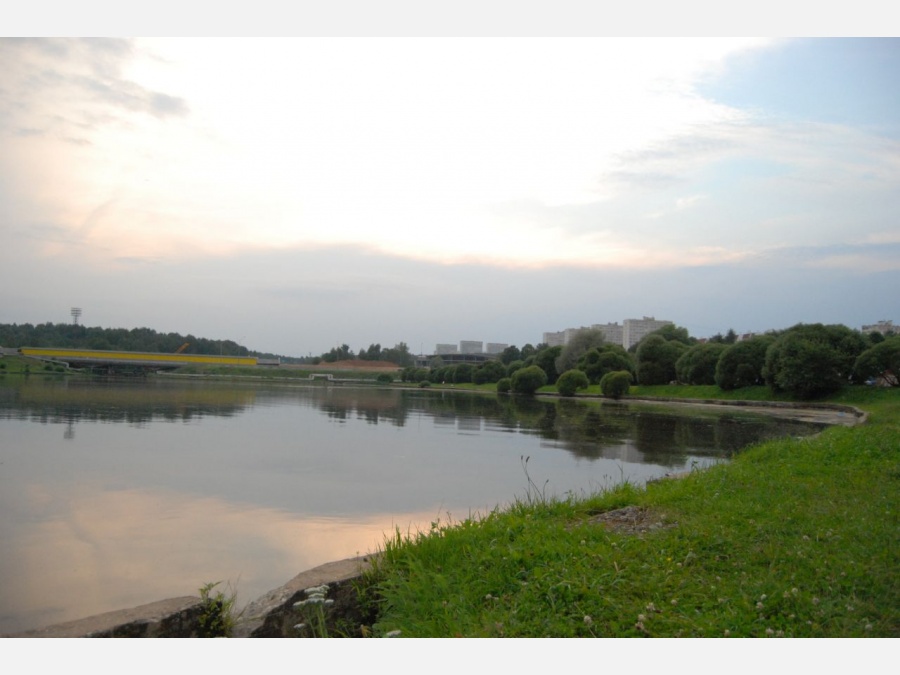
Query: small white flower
(393, 633)
(299, 626)
(588, 620)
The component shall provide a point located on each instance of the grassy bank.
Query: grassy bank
(794, 538)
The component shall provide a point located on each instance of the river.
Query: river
(115, 493)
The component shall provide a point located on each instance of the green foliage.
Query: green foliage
(741, 364)
(596, 362)
(545, 359)
(571, 381)
(312, 610)
(581, 342)
(463, 373)
(489, 372)
(881, 361)
(385, 378)
(698, 364)
(504, 385)
(528, 380)
(656, 358)
(813, 360)
(510, 354)
(616, 384)
(73, 336)
(513, 367)
(217, 617)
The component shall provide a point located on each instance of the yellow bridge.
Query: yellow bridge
(94, 358)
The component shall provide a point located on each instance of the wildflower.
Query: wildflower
(815, 601)
(759, 606)
(763, 597)
(299, 626)
(639, 626)
(770, 632)
(868, 626)
(393, 633)
(641, 618)
(651, 607)
(588, 620)
(674, 601)
(727, 632)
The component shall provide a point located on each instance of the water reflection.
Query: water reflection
(115, 493)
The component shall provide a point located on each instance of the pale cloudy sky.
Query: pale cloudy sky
(297, 194)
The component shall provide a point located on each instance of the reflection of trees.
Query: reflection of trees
(135, 402)
(604, 429)
(588, 429)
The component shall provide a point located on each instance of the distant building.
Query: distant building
(628, 334)
(554, 339)
(884, 326)
(446, 349)
(495, 347)
(613, 332)
(471, 347)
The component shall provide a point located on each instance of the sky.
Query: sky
(294, 195)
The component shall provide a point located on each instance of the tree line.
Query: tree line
(805, 361)
(76, 336)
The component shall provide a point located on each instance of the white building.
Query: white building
(471, 347)
(446, 349)
(634, 330)
(628, 334)
(495, 347)
(883, 326)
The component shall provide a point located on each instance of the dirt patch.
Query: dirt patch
(630, 520)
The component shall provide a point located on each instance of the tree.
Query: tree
(741, 364)
(510, 354)
(546, 361)
(601, 360)
(504, 385)
(880, 362)
(571, 381)
(656, 358)
(528, 380)
(490, 371)
(616, 384)
(812, 360)
(398, 354)
(581, 342)
(698, 364)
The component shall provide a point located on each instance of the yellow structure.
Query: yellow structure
(102, 357)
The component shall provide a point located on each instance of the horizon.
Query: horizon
(301, 194)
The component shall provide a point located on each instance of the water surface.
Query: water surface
(116, 493)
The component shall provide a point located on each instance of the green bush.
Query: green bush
(741, 364)
(616, 384)
(424, 384)
(881, 361)
(571, 381)
(812, 360)
(385, 378)
(528, 380)
(504, 385)
(698, 364)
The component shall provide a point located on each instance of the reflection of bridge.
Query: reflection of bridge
(134, 361)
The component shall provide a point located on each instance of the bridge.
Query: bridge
(133, 361)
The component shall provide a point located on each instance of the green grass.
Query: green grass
(794, 538)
